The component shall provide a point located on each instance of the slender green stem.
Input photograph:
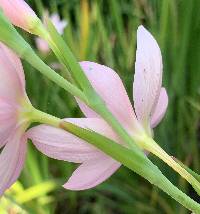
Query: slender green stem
(42, 117)
(66, 57)
(150, 145)
(30, 56)
(197, 176)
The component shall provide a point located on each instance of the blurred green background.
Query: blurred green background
(105, 32)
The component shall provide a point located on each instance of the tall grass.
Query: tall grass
(105, 32)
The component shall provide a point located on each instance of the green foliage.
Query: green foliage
(111, 40)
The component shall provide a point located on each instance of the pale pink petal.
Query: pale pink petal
(88, 112)
(12, 91)
(59, 144)
(12, 161)
(7, 120)
(42, 45)
(18, 12)
(11, 75)
(15, 61)
(148, 75)
(91, 173)
(160, 108)
(109, 86)
(62, 145)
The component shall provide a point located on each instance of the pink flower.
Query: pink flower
(59, 24)
(150, 104)
(19, 13)
(15, 117)
(12, 123)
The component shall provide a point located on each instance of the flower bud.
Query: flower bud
(20, 14)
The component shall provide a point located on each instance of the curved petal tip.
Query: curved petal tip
(91, 173)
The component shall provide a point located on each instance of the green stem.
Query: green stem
(150, 145)
(30, 56)
(65, 56)
(197, 176)
(42, 117)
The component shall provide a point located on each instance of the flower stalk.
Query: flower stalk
(59, 47)
(150, 145)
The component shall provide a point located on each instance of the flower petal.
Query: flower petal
(7, 120)
(160, 108)
(11, 74)
(91, 173)
(59, 144)
(11, 161)
(148, 75)
(109, 86)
